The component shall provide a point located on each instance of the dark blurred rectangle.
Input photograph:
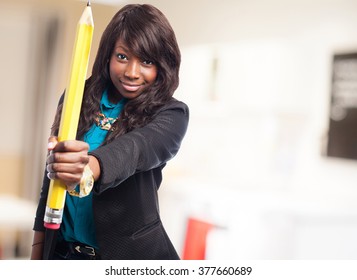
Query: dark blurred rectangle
(342, 134)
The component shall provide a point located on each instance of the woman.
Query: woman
(130, 126)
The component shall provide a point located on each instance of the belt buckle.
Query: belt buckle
(90, 253)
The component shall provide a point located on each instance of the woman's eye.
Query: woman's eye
(148, 62)
(121, 56)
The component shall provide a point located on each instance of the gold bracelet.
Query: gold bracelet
(86, 184)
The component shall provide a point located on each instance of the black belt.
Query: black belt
(75, 250)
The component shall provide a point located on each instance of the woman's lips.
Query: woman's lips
(130, 87)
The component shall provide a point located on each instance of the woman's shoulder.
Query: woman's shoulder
(174, 104)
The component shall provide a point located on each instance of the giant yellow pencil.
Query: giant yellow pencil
(71, 111)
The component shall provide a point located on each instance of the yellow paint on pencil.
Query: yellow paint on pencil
(71, 110)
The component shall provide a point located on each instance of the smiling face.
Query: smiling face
(130, 75)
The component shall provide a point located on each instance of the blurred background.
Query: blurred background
(267, 169)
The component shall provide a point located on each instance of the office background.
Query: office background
(253, 179)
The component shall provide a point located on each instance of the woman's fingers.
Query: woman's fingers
(70, 157)
(69, 179)
(52, 141)
(66, 161)
(71, 146)
(69, 174)
(66, 167)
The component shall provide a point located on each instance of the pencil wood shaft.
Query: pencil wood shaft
(71, 110)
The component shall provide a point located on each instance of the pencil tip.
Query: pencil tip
(88, 3)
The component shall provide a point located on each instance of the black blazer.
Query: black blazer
(125, 198)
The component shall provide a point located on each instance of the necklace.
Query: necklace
(104, 122)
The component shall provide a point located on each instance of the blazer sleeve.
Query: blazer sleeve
(143, 148)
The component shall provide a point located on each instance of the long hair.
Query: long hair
(148, 35)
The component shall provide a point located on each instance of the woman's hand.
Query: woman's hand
(66, 161)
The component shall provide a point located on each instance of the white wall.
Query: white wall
(253, 160)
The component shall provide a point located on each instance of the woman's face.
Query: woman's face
(129, 74)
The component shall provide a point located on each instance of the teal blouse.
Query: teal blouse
(77, 221)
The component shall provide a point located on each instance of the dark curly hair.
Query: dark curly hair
(149, 36)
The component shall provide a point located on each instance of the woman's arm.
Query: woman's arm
(143, 148)
(37, 245)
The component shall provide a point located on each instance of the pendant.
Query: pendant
(104, 122)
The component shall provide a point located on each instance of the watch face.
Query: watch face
(86, 184)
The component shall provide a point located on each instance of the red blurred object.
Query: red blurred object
(195, 242)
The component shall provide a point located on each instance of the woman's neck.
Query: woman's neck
(114, 95)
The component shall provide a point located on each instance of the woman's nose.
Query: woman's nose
(132, 70)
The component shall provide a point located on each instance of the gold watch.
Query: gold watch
(86, 184)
